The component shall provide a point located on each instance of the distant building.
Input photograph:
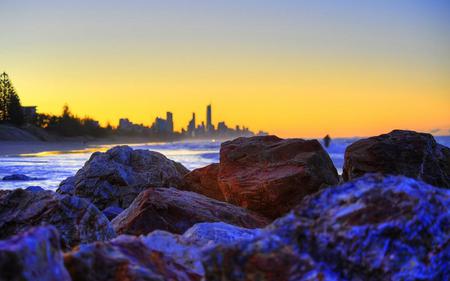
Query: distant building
(127, 126)
(209, 125)
(29, 114)
(192, 126)
(163, 125)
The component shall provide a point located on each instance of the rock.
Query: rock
(175, 211)
(116, 177)
(33, 255)
(112, 212)
(34, 188)
(373, 228)
(188, 249)
(270, 175)
(408, 153)
(19, 177)
(124, 258)
(76, 219)
(204, 181)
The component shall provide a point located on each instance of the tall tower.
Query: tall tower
(169, 120)
(209, 126)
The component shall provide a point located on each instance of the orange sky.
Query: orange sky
(293, 69)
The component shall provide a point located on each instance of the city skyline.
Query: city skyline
(202, 129)
(293, 68)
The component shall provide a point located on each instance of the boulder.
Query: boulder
(189, 249)
(112, 212)
(76, 219)
(408, 153)
(270, 175)
(373, 228)
(116, 177)
(175, 211)
(124, 258)
(204, 181)
(33, 255)
(19, 177)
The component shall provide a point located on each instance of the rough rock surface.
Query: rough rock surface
(408, 153)
(189, 249)
(116, 177)
(270, 175)
(374, 228)
(175, 211)
(124, 258)
(33, 255)
(76, 219)
(204, 181)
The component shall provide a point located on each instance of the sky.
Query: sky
(292, 68)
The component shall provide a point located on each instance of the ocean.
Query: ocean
(52, 167)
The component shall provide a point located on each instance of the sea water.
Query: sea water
(52, 167)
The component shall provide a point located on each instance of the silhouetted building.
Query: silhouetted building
(29, 114)
(209, 125)
(192, 126)
(163, 125)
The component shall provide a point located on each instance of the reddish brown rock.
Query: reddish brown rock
(270, 175)
(408, 153)
(204, 181)
(124, 259)
(175, 211)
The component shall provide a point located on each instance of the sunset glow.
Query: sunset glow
(292, 68)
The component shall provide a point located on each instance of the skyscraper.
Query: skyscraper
(209, 126)
(169, 119)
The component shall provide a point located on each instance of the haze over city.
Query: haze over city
(292, 68)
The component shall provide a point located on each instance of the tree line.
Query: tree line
(67, 124)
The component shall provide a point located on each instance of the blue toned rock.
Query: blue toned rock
(373, 228)
(19, 177)
(112, 212)
(34, 188)
(116, 177)
(33, 255)
(77, 220)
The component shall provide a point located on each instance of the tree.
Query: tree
(10, 107)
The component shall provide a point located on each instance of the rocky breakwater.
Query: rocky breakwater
(408, 153)
(175, 211)
(373, 228)
(77, 220)
(116, 177)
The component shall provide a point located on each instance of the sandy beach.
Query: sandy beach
(9, 148)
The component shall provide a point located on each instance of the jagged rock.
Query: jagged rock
(176, 210)
(188, 249)
(112, 212)
(19, 177)
(124, 258)
(116, 177)
(204, 181)
(270, 175)
(33, 255)
(76, 219)
(373, 228)
(408, 153)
